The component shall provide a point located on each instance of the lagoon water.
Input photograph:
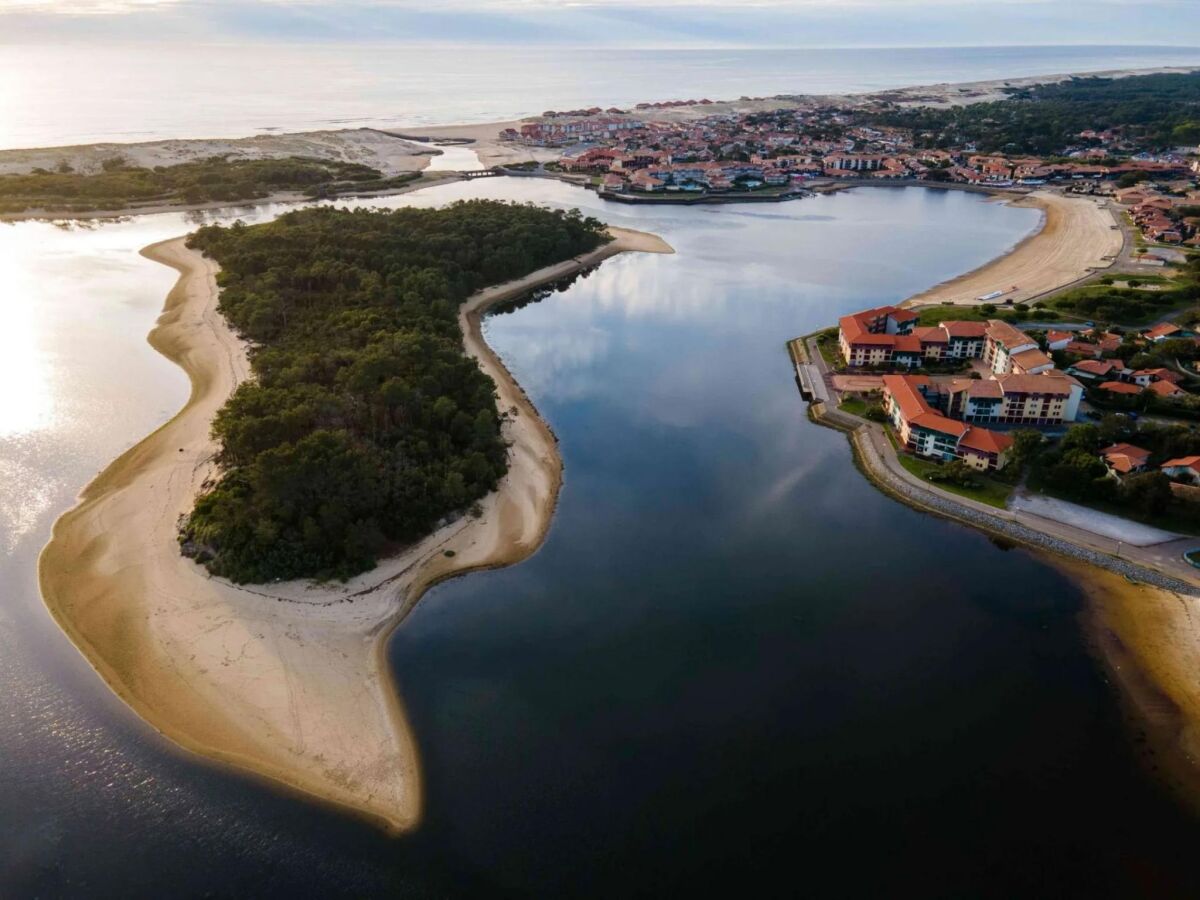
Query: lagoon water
(151, 91)
(733, 664)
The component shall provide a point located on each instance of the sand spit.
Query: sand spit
(287, 681)
(1078, 236)
(1149, 642)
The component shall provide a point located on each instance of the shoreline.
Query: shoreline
(1145, 636)
(1076, 239)
(1148, 642)
(289, 682)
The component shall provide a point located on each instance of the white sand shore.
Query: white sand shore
(1078, 236)
(287, 681)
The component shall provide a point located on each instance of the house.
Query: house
(1121, 387)
(926, 432)
(613, 183)
(1093, 369)
(1183, 468)
(1145, 377)
(1082, 348)
(1164, 331)
(1058, 340)
(1124, 459)
(1166, 389)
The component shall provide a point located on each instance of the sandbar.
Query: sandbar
(287, 681)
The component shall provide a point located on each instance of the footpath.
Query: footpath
(1161, 565)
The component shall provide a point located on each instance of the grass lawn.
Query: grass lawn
(992, 492)
(853, 405)
(931, 315)
(831, 352)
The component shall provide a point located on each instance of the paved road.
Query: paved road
(1112, 527)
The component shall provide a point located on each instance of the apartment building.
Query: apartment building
(926, 432)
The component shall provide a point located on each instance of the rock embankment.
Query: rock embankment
(875, 467)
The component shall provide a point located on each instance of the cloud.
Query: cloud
(613, 23)
(82, 7)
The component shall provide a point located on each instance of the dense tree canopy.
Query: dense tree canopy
(365, 423)
(1152, 111)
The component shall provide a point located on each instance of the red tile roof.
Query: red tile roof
(1120, 387)
(1165, 388)
(1031, 359)
(1094, 366)
(1006, 335)
(965, 329)
(1125, 458)
(1187, 462)
(1163, 329)
(986, 441)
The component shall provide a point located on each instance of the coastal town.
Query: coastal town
(679, 151)
(1068, 430)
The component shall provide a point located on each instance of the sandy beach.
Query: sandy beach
(1149, 643)
(287, 681)
(1078, 236)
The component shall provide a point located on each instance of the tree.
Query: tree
(365, 424)
(1027, 444)
(1114, 428)
(1081, 437)
(1148, 492)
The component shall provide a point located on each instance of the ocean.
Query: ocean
(52, 95)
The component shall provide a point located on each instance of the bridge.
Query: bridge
(481, 173)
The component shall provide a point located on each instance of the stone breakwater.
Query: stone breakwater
(867, 456)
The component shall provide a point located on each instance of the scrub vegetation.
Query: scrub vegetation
(119, 185)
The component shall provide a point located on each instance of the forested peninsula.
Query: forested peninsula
(364, 423)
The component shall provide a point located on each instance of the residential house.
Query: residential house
(1058, 340)
(1183, 468)
(1164, 331)
(1124, 459)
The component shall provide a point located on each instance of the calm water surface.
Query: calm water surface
(167, 89)
(734, 663)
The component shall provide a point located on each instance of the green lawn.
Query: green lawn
(992, 492)
(831, 352)
(931, 315)
(853, 405)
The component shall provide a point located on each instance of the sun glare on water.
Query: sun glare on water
(26, 400)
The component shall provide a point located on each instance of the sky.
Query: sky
(667, 23)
